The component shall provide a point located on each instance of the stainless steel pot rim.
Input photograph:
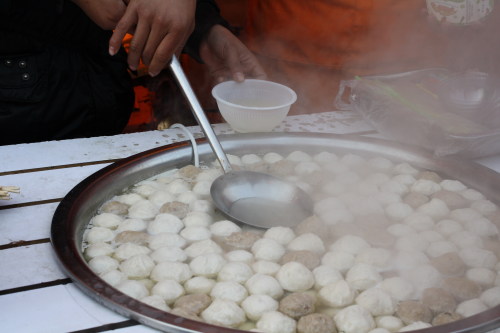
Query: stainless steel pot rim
(68, 225)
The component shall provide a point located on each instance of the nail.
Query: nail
(112, 51)
(239, 77)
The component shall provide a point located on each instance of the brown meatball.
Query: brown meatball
(179, 209)
(115, 207)
(316, 323)
(307, 258)
(297, 305)
(314, 225)
(461, 288)
(438, 300)
(412, 311)
(189, 172)
(449, 264)
(430, 175)
(492, 245)
(194, 303)
(242, 240)
(415, 199)
(137, 237)
(445, 318)
(454, 200)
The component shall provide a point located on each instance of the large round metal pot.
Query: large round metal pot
(82, 202)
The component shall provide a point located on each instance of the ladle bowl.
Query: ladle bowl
(253, 198)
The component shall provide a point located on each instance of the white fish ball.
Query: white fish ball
(400, 230)
(405, 179)
(249, 159)
(143, 209)
(161, 197)
(256, 305)
(178, 186)
(411, 243)
(482, 276)
(471, 307)
(485, 207)
(98, 249)
(138, 266)
(354, 319)
(399, 288)
(198, 219)
(436, 208)
(294, 276)
(129, 199)
(325, 157)
(337, 294)
(377, 301)
(229, 290)
(208, 265)
(419, 221)
(436, 249)
(398, 211)
(165, 223)
(156, 302)
(202, 205)
(282, 235)
(491, 297)
(324, 275)
(106, 220)
(395, 187)
(341, 261)
(169, 253)
(132, 225)
(199, 285)
(103, 264)
(464, 214)
(306, 168)
(271, 158)
(235, 271)
(350, 244)
(224, 228)
(205, 246)
(448, 227)
(307, 242)
(169, 290)
(481, 227)
(260, 284)
(390, 323)
(166, 239)
(268, 249)
(276, 322)
(362, 276)
(171, 270)
(194, 234)
(113, 277)
(477, 257)
(239, 255)
(418, 325)
(464, 239)
(202, 188)
(452, 185)
(405, 168)
(377, 257)
(133, 288)
(471, 194)
(299, 156)
(188, 197)
(99, 235)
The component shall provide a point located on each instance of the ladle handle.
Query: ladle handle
(199, 114)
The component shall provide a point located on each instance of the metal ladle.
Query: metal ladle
(254, 198)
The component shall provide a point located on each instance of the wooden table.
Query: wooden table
(35, 295)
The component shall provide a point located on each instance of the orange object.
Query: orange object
(312, 45)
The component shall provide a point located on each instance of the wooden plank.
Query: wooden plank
(26, 223)
(28, 265)
(54, 309)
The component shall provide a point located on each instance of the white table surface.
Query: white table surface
(35, 295)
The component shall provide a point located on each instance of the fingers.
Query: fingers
(126, 23)
(137, 44)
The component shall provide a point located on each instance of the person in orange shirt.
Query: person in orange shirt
(312, 45)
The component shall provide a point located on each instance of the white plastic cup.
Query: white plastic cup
(253, 105)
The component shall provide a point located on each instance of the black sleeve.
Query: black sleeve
(207, 15)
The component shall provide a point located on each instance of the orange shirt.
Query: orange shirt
(359, 35)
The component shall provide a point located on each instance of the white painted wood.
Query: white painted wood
(27, 265)
(26, 223)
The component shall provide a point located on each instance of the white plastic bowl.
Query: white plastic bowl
(253, 105)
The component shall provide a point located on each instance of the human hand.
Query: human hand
(160, 28)
(104, 13)
(227, 57)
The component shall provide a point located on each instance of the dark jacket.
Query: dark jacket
(57, 80)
